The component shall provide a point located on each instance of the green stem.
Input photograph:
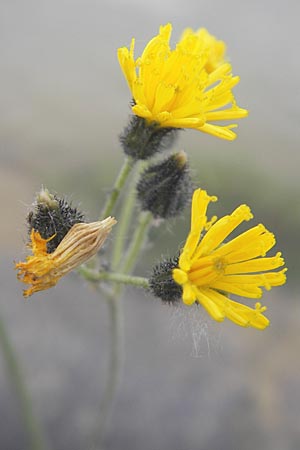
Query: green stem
(121, 278)
(114, 301)
(116, 328)
(138, 238)
(124, 220)
(17, 379)
(119, 183)
(115, 365)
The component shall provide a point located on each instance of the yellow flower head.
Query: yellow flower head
(188, 87)
(43, 270)
(209, 269)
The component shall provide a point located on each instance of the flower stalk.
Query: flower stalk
(138, 239)
(16, 378)
(115, 277)
(115, 365)
(117, 188)
(126, 215)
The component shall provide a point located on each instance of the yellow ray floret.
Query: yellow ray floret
(209, 269)
(43, 270)
(188, 87)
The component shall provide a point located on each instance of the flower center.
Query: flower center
(206, 270)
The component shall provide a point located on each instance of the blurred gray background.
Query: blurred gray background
(188, 383)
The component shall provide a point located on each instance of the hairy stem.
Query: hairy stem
(115, 365)
(16, 378)
(113, 299)
(138, 239)
(119, 183)
(120, 278)
(124, 220)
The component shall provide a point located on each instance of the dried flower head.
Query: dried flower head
(43, 270)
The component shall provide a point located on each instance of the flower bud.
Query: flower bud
(162, 284)
(141, 140)
(51, 216)
(164, 188)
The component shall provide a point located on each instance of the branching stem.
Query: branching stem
(121, 278)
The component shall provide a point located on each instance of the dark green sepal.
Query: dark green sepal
(165, 188)
(162, 284)
(51, 216)
(141, 140)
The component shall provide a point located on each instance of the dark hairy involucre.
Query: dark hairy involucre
(165, 188)
(49, 221)
(161, 282)
(141, 140)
